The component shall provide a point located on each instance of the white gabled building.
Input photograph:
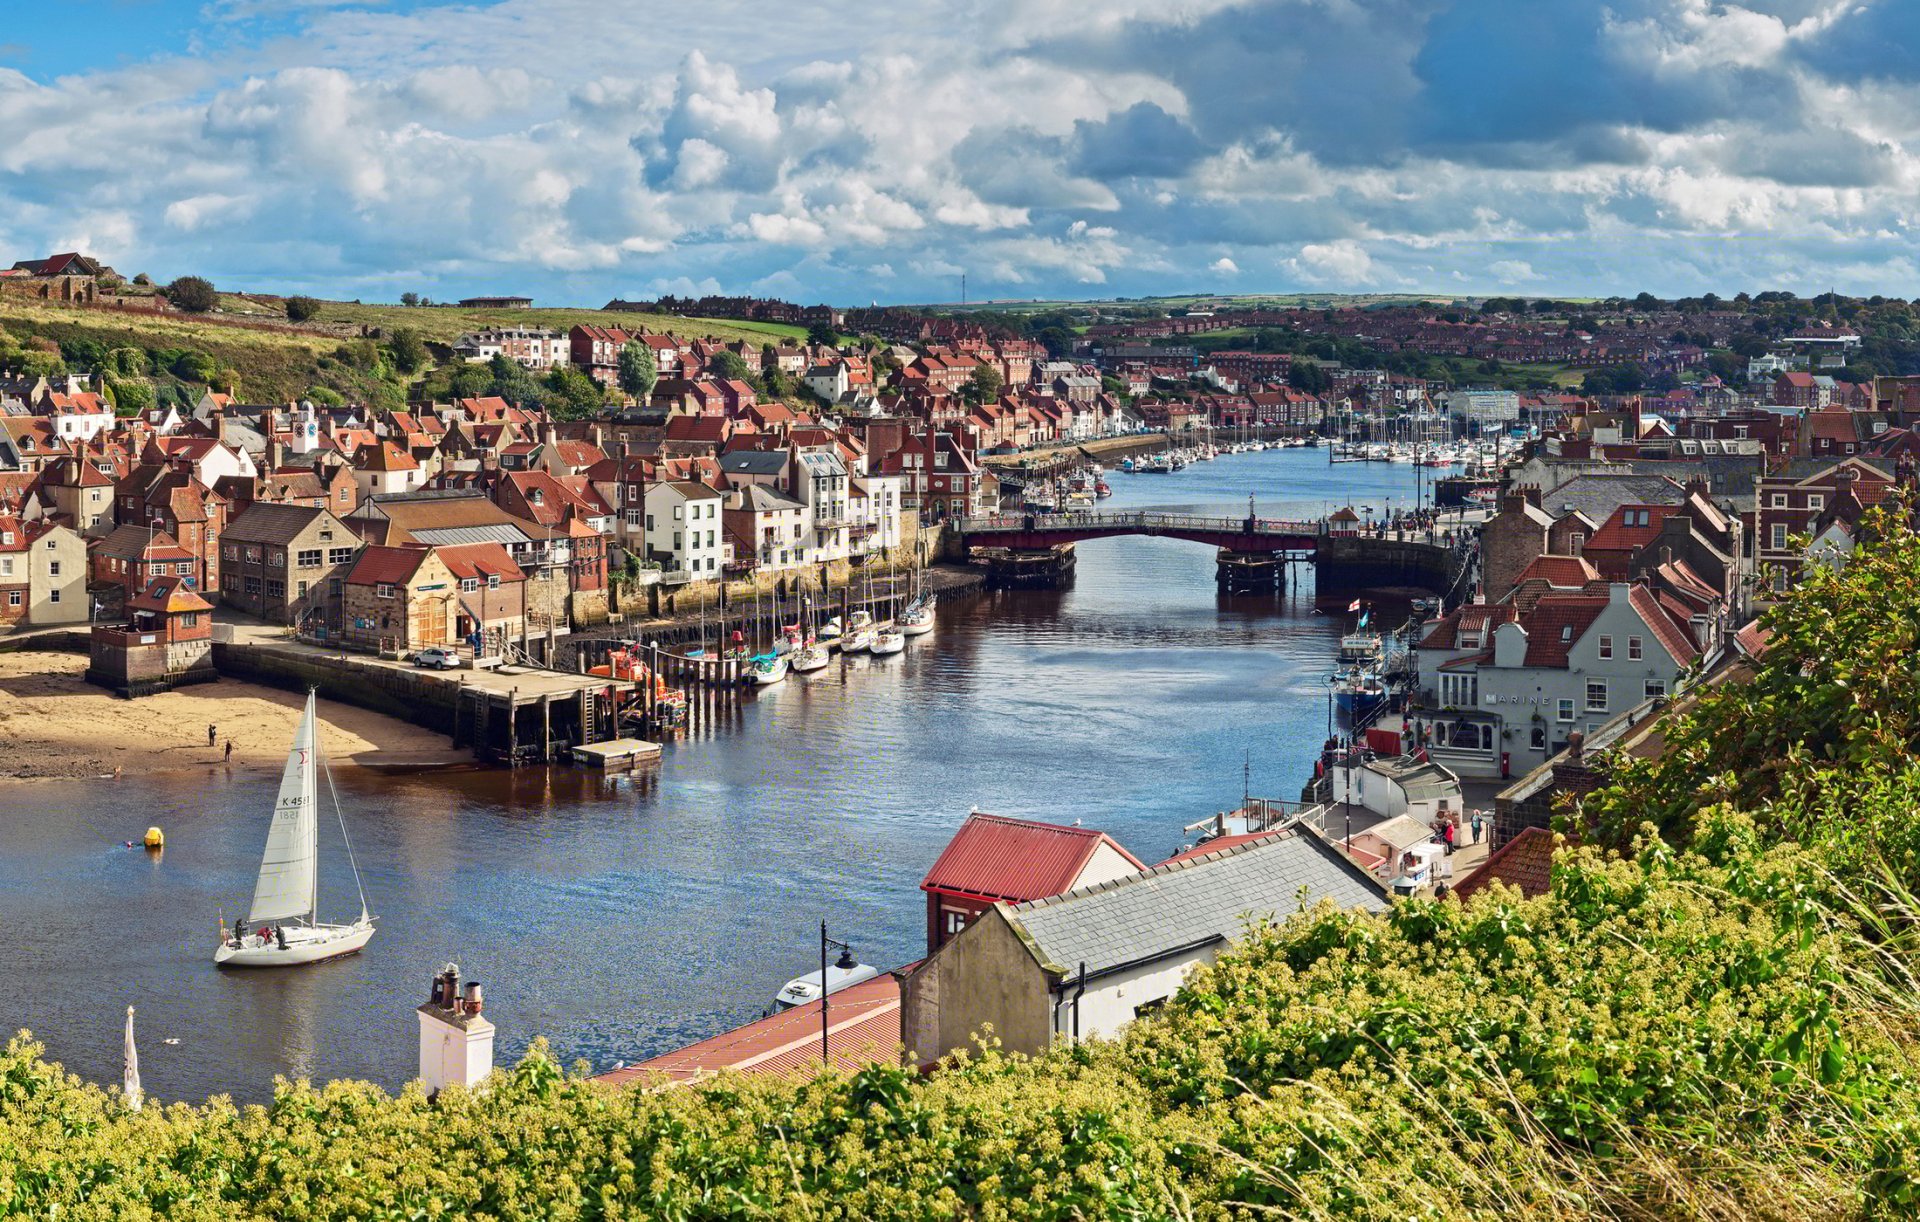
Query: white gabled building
(684, 531)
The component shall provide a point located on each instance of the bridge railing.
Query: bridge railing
(1010, 523)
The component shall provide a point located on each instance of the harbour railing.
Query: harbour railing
(1011, 522)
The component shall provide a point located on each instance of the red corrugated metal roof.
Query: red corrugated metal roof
(996, 858)
(863, 1028)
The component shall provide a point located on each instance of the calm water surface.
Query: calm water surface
(621, 918)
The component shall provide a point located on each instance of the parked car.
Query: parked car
(435, 658)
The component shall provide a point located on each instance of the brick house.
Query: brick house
(287, 564)
(167, 640)
(493, 595)
(399, 599)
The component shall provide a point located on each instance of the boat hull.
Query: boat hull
(769, 675)
(809, 660)
(913, 627)
(315, 944)
(888, 643)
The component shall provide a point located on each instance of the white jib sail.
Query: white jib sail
(290, 863)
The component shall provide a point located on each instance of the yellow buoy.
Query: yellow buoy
(156, 838)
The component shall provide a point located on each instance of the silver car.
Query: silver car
(436, 658)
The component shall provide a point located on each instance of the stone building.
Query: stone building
(399, 599)
(287, 564)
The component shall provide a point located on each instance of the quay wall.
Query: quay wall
(415, 698)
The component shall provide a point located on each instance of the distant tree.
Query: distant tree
(34, 363)
(575, 395)
(300, 309)
(127, 363)
(409, 350)
(1310, 377)
(774, 382)
(1646, 303)
(131, 396)
(469, 382)
(195, 366)
(1058, 340)
(143, 279)
(823, 335)
(730, 365)
(985, 383)
(409, 299)
(325, 396)
(194, 294)
(638, 373)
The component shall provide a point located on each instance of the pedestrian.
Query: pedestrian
(229, 756)
(210, 734)
(1476, 827)
(1446, 835)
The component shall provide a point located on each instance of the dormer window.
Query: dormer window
(1566, 634)
(1470, 641)
(539, 497)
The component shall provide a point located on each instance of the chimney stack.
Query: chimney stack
(456, 1042)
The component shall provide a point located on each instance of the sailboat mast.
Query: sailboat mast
(308, 796)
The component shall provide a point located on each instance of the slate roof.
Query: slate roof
(1597, 496)
(1190, 903)
(754, 462)
(265, 522)
(996, 858)
(758, 498)
(1525, 862)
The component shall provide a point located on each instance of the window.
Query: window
(1565, 711)
(326, 534)
(1656, 688)
(676, 540)
(6, 566)
(1779, 500)
(53, 568)
(955, 920)
(276, 589)
(383, 589)
(1816, 500)
(183, 568)
(649, 521)
(1779, 536)
(230, 552)
(1566, 633)
(1636, 648)
(493, 581)
(277, 560)
(1539, 739)
(308, 558)
(53, 595)
(13, 598)
(1469, 640)
(339, 555)
(333, 587)
(1148, 1007)
(1779, 579)
(302, 590)
(1606, 647)
(1596, 696)
(343, 493)
(469, 584)
(677, 514)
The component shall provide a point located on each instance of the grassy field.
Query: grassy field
(444, 324)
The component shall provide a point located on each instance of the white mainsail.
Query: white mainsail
(130, 1074)
(289, 867)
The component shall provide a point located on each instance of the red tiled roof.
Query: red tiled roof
(1674, 638)
(379, 564)
(385, 456)
(996, 858)
(480, 560)
(1561, 572)
(1472, 617)
(1548, 624)
(1615, 535)
(1525, 862)
(863, 1029)
(1754, 639)
(1220, 843)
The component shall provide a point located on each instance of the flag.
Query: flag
(1354, 605)
(130, 1077)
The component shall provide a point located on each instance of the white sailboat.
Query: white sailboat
(286, 895)
(888, 641)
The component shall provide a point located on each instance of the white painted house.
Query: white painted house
(684, 530)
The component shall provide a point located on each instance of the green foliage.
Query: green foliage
(195, 366)
(637, 370)
(730, 365)
(822, 335)
(575, 395)
(194, 294)
(300, 309)
(131, 396)
(984, 385)
(127, 363)
(409, 351)
(325, 396)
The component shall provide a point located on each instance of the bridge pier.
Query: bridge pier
(1018, 568)
(1250, 572)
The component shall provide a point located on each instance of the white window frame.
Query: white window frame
(1564, 711)
(1601, 706)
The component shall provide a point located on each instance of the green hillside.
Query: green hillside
(1713, 1014)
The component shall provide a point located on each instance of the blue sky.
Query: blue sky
(576, 150)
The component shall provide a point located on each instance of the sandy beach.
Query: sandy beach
(55, 724)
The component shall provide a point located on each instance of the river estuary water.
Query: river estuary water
(620, 918)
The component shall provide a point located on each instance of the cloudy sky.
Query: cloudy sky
(574, 150)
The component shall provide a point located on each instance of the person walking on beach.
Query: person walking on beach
(229, 756)
(210, 734)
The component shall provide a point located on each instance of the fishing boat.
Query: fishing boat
(888, 640)
(768, 669)
(1102, 489)
(286, 900)
(1358, 692)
